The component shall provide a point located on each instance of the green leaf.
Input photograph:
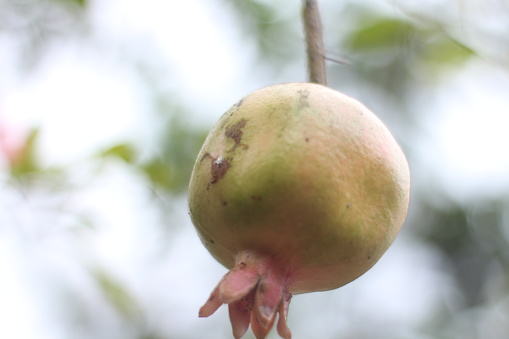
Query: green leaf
(387, 45)
(179, 147)
(123, 151)
(380, 33)
(80, 3)
(445, 51)
(116, 294)
(25, 160)
(160, 174)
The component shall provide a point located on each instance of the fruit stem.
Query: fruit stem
(314, 42)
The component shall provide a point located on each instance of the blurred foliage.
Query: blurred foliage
(79, 3)
(275, 30)
(171, 168)
(472, 237)
(117, 295)
(125, 152)
(36, 24)
(400, 41)
(394, 54)
(24, 160)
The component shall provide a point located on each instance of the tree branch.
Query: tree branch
(314, 41)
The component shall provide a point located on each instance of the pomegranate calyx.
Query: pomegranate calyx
(255, 290)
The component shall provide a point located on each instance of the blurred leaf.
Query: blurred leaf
(37, 24)
(80, 3)
(276, 34)
(254, 9)
(391, 54)
(445, 51)
(180, 145)
(380, 33)
(116, 294)
(471, 236)
(25, 160)
(378, 39)
(160, 174)
(449, 230)
(123, 151)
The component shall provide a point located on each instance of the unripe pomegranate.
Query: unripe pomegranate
(298, 188)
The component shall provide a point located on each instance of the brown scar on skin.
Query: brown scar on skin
(218, 167)
(235, 132)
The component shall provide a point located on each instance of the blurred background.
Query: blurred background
(104, 106)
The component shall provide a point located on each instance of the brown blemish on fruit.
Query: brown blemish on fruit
(256, 197)
(235, 132)
(218, 168)
(225, 203)
(307, 139)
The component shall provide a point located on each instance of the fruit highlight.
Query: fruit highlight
(298, 188)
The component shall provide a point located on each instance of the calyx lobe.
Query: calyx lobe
(255, 289)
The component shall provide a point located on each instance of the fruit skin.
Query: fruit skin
(306, 176)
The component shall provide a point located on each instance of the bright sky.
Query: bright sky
(471, 136)
(83, 104)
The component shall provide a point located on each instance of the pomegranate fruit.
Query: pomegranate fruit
(298, 188)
